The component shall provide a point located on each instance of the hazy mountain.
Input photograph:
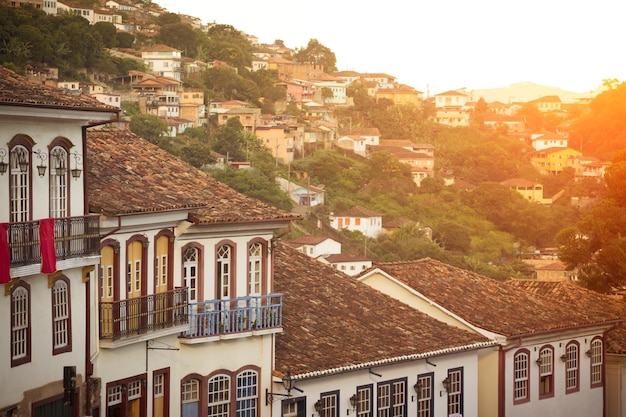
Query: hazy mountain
(527, 91)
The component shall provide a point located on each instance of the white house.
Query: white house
(541, 141)
(315, 246)
(163, 61)
(551, 356)
(186, 304)
(358, 219)
(354, 143)
(347, 349)
(48, 247)
(347, 263)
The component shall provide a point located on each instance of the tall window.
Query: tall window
(425, 398)
(546, 372)
(20, 324)
(247, 394)
(190, 273)
(223, 271)
(19, 162)
(596, 362)
(161, 264)
(520, 377)
(61, 324)
(364, 401)
(219, 396)
(571, 367)
(455, 391)
(391, 399)
(330, 404)
(58, 183)
(255, 262)
(190, 398)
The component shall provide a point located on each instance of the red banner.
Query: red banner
(5, 254)
(46, 243)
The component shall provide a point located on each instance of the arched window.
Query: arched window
(255, 268)
(597, 359)
(58, 182)
(224, 262)
(546, 372)
(218, 396)
(521, 373)
(61, 314)
(191, 258)
(572, 364)
(19, 183)
(20, 324)
(190, 398)
(247, 394)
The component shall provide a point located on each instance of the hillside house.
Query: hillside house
(163, 61)
(347, 263)
(531, 191)
(315, 246)
(552, 161)
(358, 219)
(541, 141)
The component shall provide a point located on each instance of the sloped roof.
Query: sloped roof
(580, 298)
(358, 211)
(128, 174)
(487, 303)
(332, 322)
(519, 182)
(17, 90)
(345, 257)
(308, 240)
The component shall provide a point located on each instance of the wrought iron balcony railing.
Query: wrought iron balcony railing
(74, 237)
(243, 314)
(134, 316)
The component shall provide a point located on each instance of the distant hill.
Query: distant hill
(527, 91)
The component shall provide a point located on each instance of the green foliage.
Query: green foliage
(149, 127)
(197, 154)
(316, 53)
(180, 36)
(253, 183)
(107, 32)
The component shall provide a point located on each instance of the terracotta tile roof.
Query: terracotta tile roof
(308, 240)
(486, 303)
(582, 299)
(333, 322)
(358, 211)
(345, 257)
(17, 90)
(127, 174)
(519, 182)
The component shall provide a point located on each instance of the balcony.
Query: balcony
(235, 317)
(145, 315)
(74, 237)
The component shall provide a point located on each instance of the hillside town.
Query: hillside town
(138, 285)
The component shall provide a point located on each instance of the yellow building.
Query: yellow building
(554, 160)
(402, 94)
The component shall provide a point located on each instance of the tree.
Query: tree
(197, 155)
(229, 140)
(316, 53)
(107, 32)
(179, 36)
(149, 127)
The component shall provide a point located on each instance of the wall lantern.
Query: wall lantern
(41, 168)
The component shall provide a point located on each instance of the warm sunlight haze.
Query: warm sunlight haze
(438, 46)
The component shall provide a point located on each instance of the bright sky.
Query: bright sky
(436, 46)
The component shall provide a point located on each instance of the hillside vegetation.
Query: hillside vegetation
(487, 229)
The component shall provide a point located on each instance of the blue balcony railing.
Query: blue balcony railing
(237, 315)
